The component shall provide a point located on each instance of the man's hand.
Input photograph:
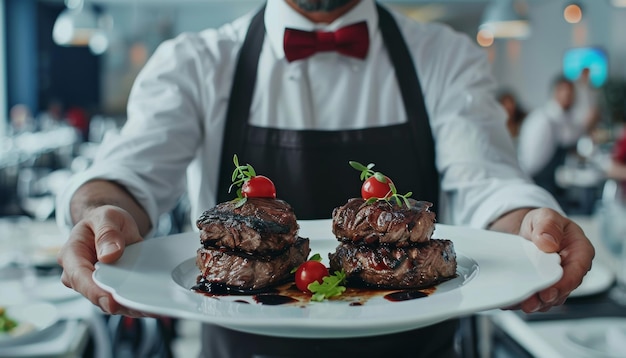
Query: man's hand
(101, 235)
(551, 232)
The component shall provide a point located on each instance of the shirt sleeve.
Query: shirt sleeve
(536, 143)
(481, 177)
(160, 137)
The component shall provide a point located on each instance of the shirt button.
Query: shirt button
(294, 74)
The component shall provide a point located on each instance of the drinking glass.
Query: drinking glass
(612, 220)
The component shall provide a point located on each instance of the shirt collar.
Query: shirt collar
(279, 15)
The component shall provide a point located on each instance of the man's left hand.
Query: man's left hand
(552, 232)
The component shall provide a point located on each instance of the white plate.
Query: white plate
(598, 279)
(495, 270)
(599, 337)
(51, 289)
(34, 319)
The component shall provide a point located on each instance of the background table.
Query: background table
(542, 334)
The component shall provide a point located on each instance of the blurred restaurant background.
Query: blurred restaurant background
(67, 66)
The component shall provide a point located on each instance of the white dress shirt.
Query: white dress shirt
(543, 131)
(586, 101)
(177, 108)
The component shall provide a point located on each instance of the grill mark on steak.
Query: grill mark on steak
(417, 266)
(247, 272)
(255, 256)
(263, 226)
(383, 222)
(230, 218)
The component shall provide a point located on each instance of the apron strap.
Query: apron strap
(240, 99)
(244, 82)
(414, 105)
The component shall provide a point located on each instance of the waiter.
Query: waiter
(297, 89)
(549, 133)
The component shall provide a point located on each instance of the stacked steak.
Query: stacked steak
(385, 245)
(249, 247)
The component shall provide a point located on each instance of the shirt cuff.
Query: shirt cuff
(120, 175)
(509, 198)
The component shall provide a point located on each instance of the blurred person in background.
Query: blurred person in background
(200, 99)
(20, 120)
(78, 118)
(617, 166)
(586, 109)
(515, 112)
(52, 117)
(549, 133)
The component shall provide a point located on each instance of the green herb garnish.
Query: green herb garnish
(241, 174)
(6, 324)
(330, 287)
(367, 172)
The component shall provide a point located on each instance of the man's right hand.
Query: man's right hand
(101, 235)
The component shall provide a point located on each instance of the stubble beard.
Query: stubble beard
(319, 5)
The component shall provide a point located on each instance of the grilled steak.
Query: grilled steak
(383, 222)
(383, 266)
(242, 273)
(259, 226)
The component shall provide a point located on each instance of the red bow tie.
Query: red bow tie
(352, 40)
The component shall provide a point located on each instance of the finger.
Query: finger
(531, 304)
(576, 254)
(550, 295)
(544, 227)
(113, 231)
(97, 295)
(576, 258)
(77, 257)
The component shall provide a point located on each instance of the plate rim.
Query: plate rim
(316, 323)
(594, 322)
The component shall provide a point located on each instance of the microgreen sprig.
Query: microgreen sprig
(399, 198)
(241, 174)
(367, 172)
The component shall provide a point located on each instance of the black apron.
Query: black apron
(310, 167)
(311, 172)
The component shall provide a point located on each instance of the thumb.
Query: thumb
(109, 249)
(544, 227)
(114, 229)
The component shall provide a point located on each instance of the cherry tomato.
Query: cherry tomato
(258, 187)
(372, 188)
(309, 272)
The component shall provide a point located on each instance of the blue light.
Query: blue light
(576, 59)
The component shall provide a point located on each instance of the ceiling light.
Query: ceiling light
(618, 3)
(504, 21)
(77, 25)
(573, 13)
(484, 38)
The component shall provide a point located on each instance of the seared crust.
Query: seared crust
(260, 226)
(417, 266)
(383, 222)
(248, 272)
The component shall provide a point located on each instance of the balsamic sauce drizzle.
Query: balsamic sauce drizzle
(287, 293)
